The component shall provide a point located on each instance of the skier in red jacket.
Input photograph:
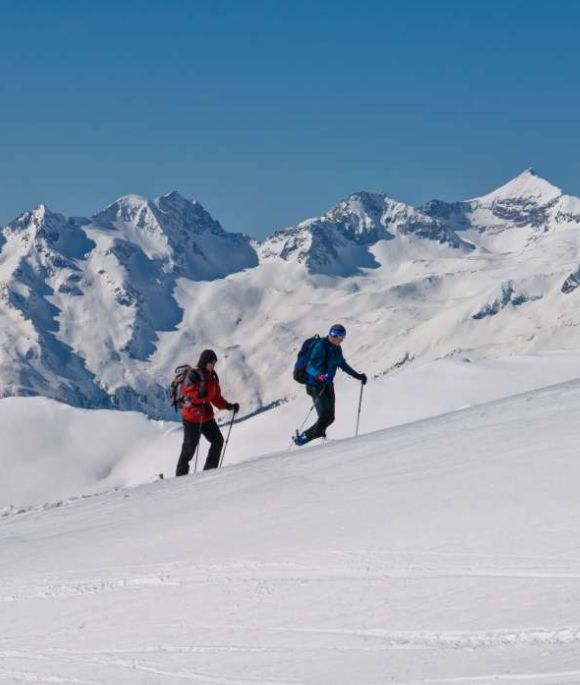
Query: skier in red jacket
(201, 392)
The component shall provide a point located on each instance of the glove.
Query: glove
(324, 378)
(363, 378)
(233, 406)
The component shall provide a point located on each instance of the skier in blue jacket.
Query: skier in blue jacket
(326, 357)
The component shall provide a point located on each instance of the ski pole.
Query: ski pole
(359, 406)
(227, 439)
(305, 419)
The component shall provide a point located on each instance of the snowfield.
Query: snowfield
(440, 550)
(74, 452)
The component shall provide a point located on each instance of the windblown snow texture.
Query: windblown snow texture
(441, 551)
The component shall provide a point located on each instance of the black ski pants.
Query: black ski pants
(324, 401)
(191, 435)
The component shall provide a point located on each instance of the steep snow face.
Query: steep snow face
(338, 242)
(83, 301)
(527, 186)
(443, 551)
(76, 452)
(566, 213)
(527, 201)
(181, 233)
(39, 276)
(133, 219)
(142, 248)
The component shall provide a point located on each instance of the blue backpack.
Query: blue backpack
(300, 375)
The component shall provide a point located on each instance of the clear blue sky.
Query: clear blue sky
(269, 112)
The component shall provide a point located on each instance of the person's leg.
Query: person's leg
(323, 398)
(212, 432)
(191, 433)
(327, 416)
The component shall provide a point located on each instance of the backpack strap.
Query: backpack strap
(326, 354)
(194, 375)
(324, 344)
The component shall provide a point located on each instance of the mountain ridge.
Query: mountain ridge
(98, 310)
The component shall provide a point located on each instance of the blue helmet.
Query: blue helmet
(337, 331)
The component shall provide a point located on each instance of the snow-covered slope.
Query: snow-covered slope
(39, 274)
(75, 452)
(178, 232)
(443, 551)
(84, 300)
(98, 312)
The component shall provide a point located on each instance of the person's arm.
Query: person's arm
(217, 399)
(347, 368)
(221, 403)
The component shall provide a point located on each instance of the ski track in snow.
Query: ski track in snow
(366, 571)
(444, 551)
(133, 663)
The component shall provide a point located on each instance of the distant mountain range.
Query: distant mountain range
(97, 311)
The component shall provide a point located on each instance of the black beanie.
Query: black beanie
(207, 357)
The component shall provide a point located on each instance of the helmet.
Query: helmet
(337, 331)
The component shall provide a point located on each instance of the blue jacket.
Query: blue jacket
(327, 358)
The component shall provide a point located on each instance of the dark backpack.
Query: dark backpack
(299, 374)
(185, 376)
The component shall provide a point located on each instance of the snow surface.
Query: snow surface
(445, 550)
(73, 452)
(527, 185)
(440, 546)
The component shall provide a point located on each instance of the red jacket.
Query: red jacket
(200, 395)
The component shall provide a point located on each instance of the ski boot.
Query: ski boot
(300, 439)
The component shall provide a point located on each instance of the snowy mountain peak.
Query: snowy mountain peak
(179, 233)
(171, 216)
(367, 197)
(131, 200)
(505, 219)
(372, 202)
(339, 242)
(359, 213)
(175, 196)
(42, 229)
(528, 185)
(41, 217)
(179, 215)
(40, 212)
(362, 200)
(126, 209)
